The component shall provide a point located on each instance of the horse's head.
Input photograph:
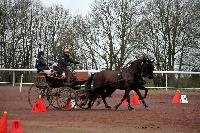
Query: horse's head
(143, 67)
(147, 68)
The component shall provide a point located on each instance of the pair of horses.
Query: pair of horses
(107, 81)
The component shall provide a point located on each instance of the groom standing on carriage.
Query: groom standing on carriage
(64, 61)
(41, 64)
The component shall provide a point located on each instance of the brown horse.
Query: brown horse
(107, 81)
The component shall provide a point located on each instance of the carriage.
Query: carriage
(56, 93)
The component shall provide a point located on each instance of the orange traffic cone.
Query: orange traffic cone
(135, 100)
(125, 102)
(68, 105)
(41, 105)
(16, 126)
(176, 98)
(3, 123)
(35, 108)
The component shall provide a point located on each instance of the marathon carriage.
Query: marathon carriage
(55, 92)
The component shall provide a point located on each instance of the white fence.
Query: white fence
(94, 71)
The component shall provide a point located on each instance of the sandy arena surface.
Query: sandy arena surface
(161, 116)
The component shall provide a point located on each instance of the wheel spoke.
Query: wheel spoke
(67, 99)
(82, 101)
(55, 93)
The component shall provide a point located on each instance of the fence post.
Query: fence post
(20, 87)
(13, 78)
(166, 81)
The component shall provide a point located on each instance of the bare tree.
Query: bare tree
(169, 33)
(108, 32)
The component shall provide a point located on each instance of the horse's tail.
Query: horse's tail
(88, 85)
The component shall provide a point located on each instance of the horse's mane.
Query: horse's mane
(135, 63)
(132, 67)
(129, 64)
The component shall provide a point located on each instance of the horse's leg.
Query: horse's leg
(129, 105)
(91, 101)
(107, 93)
(98, 101)
(103, 97)
(104, 101)
(124, 97)
(90, 104)
(140, 97)
(145, 89)
(92, 98)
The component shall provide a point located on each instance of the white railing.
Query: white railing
(173, 72)
(95, 71)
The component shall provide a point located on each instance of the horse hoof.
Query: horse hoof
(130, 108)
(116, 107)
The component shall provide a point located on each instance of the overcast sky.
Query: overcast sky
(74, 6)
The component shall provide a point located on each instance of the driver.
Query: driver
(65, 60)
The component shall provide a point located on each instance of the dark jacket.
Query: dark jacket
(41, 65)
(66, 60)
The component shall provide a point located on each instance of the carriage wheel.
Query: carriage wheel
(67, 98)
(55, 93)
(39, 89)
(82, 101)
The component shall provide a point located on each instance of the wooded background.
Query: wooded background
(112, 34)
